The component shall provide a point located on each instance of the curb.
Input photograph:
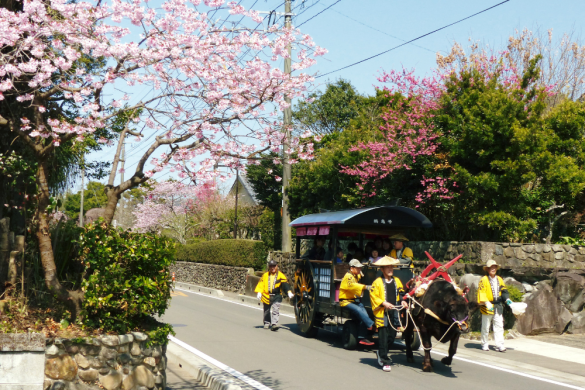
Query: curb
(206, 373)
(206, 290)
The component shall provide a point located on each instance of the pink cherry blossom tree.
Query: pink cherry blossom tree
(169, 207)
(407, 135)
(199, 92)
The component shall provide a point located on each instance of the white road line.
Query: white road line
(438, 353)
(511, 371)
(230, 301)
(229, 370)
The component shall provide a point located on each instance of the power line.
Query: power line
(319, 13)
(375, 29)
(412, 40)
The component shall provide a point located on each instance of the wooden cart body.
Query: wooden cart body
(317, 281)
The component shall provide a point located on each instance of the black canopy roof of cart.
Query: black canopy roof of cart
(368, 219)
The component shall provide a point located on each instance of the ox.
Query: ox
(452, 311)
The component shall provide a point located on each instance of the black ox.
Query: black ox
(453, 311)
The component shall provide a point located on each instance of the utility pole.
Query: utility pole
(236, 218)
(286, 171)
(82, 191)
(122, 203)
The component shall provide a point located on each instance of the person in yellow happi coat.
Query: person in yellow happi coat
(401, 252)
(491, 294)
(350, 293)
(269, 291)
(386, 297)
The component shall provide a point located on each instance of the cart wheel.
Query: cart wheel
(350, 335)
(416, 343)
(304, 300)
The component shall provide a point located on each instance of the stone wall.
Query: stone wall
(108, 362)
(286, 263)
(221, 277)
(505, 254)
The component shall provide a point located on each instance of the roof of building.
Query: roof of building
(246, 184)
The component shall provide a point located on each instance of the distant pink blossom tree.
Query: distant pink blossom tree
(408, 133)
(168, 207)
(200, 93)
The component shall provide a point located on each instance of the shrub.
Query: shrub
(515, 294)
(236, 253)
(126, 279)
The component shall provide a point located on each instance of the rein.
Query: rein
(432, 314)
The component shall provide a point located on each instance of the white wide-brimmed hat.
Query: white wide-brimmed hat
(489, 264)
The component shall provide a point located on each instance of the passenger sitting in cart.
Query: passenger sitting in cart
(339, 256)
(317, 252)
(375, 257)
(400, 251)
(386, 248)
(386, 298)
(350, 293)
(351, 252)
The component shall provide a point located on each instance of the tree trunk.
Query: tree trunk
(72, 298)
(113, 198)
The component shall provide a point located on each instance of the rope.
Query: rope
(418, 330)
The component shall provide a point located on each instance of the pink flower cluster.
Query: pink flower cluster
(408, 131)
(438, 188)
(203, 87)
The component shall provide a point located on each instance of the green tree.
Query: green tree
(94, 197)
(514, 163)
(268, 191)
(328, 112)
(318, 184)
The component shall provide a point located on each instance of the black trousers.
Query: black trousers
(386, 336)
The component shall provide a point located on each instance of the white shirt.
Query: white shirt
(495, 285)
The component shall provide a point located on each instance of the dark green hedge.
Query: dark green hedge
(236, 253)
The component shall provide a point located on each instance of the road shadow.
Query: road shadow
(264, 378)
(477, 347)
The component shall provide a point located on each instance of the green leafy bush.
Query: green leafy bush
(127, 279)
(236, 253)
(572, 241)
(515, 294)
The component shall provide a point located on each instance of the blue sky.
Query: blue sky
(353, 30)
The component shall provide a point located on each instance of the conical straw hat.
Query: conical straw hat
(386, 260)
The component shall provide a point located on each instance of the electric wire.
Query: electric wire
(317, 14)
(412, 40)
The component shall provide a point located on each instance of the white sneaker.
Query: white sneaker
(485, 348)
(500, 349)
(386, 368)
(266, 326)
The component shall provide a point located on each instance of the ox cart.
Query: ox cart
(316, 281)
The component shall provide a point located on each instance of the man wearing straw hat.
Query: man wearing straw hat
(400, 252)
(386, 298)
(491, 293)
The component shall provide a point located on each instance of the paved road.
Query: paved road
(233, 335)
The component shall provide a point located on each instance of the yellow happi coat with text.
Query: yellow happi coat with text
(270, 284)
(378, 297)
(350, 289)
(406, 253)
(484, 292)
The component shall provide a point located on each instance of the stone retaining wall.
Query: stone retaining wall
(105, 362)
(505, 254)
(221, 277)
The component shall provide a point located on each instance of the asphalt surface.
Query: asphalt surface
(233, 335)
